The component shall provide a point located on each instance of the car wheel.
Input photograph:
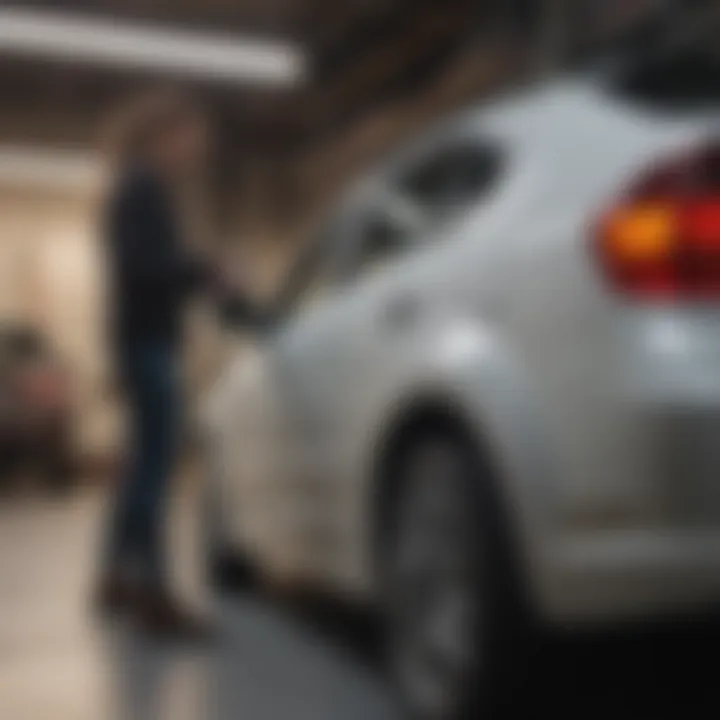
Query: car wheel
(450, 630)
(227, 569)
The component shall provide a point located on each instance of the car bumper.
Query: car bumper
(643, 538)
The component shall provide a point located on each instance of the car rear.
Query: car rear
(632, 365)
(594, 266)
(656, 245)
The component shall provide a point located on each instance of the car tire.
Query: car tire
(455, 632)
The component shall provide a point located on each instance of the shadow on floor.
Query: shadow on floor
(664, 671)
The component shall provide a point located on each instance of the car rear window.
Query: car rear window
(452, 178)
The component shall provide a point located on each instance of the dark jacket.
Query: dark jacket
(151, 275)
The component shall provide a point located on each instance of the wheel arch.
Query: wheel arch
(433, 412)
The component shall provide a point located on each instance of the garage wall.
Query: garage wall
(51, 276)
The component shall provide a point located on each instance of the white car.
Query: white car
(497, 395)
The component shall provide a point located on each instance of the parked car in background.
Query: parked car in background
(496, 398)
(36, 415)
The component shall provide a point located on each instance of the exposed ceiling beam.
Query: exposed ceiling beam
(143, 47)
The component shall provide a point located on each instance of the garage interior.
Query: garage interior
(374, 72)
(377, 71)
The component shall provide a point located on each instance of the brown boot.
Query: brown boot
(115, 594)
(163, 617)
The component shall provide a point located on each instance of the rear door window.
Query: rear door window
(381, 236)
(441, 185)
(451, 179)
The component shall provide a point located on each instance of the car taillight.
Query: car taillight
(662, 238)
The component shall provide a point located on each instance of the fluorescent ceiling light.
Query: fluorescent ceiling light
(36, 168)
(134, 46)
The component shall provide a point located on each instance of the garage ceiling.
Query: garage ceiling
(358, 51)
(361, 54)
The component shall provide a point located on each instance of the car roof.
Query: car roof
(498, 120)
(534, 115)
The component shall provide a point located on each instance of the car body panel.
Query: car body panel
(505, 314)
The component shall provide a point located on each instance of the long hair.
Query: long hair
(137, 123)
(136, 127)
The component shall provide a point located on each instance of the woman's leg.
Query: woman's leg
(137, 520)
(121, 548)
(143, 499)
(159, 429)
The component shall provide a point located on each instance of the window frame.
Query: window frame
(390, 192)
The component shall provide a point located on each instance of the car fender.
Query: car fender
(466, 366)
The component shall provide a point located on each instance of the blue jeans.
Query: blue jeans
(137, 534)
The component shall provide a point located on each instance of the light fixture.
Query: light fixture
(37, 168)
(135, 46)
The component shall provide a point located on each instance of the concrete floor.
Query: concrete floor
(58, 663)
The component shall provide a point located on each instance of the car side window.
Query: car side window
(380, 236)
(452, 178)
(432, 191)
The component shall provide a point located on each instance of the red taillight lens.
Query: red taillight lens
(662, 239)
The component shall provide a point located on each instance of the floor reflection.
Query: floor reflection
(311, 661)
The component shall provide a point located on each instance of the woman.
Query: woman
(161, 144)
